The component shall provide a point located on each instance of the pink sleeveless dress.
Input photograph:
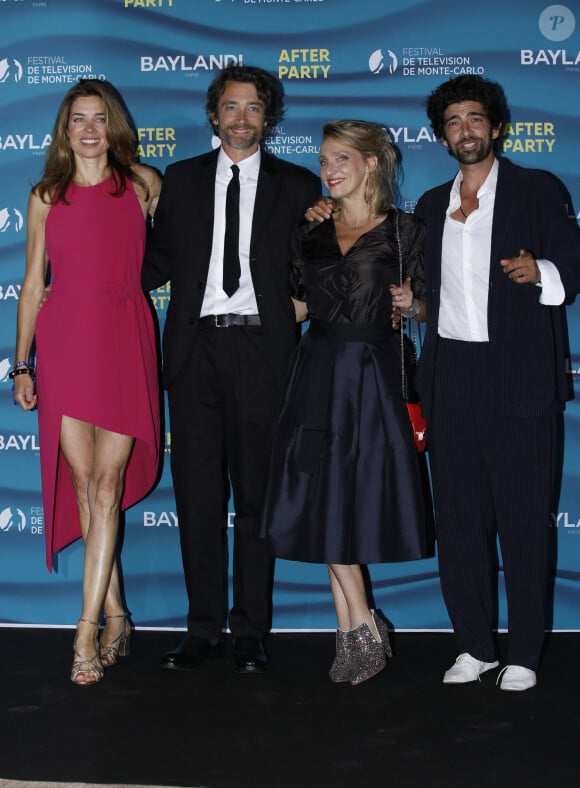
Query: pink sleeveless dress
(95, 343)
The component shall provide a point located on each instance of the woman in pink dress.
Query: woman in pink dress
(96, 377)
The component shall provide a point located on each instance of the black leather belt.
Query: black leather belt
(225, 321)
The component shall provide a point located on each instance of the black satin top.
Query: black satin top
(354, 287)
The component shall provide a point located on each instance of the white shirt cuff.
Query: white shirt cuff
(553, 292)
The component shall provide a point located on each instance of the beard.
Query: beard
(482, 150)
(250, 140)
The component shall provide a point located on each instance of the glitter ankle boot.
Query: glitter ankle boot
(367, 654)
(383, 631)
(340, 668)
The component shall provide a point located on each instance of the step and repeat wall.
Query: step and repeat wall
(370, 59)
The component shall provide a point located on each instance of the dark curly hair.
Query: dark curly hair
(467, 87)
(268, 88)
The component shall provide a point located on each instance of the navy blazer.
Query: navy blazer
(529, 341)
(179, 250)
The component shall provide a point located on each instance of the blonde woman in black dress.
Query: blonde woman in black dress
(345, 487)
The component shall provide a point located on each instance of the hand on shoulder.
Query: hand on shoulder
(153, 180)
(321, 210)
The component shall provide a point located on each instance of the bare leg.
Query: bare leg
(117, 629)
(348, 593)
(97, 460)
(360, 649)
(340, 603)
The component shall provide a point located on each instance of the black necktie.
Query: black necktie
(231, 280)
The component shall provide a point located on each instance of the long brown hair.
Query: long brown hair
(59, 169)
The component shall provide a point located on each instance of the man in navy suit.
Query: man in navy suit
(501, 259)
(226, 347)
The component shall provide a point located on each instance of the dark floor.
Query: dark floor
(288, 728)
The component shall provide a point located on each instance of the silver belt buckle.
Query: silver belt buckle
(220, 321)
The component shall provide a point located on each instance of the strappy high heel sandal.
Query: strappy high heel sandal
(91, 669)
(120, 646)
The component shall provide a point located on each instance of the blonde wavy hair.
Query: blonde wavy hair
(370, 139)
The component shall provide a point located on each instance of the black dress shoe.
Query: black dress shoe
(191, 652)
(249, 655)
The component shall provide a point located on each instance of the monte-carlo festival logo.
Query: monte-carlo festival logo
(12, 518)
(10, 70)
(5, 367)
(379, 61)
(11, 219)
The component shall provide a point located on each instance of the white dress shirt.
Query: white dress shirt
(243, 301)
(465, 267)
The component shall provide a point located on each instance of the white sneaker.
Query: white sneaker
(466, 669)
(516, 678)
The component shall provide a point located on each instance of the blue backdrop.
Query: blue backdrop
(371, 59)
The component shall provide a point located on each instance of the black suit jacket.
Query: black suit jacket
(529, 341)
(179, 249)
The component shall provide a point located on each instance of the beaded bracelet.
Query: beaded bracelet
(413, 311)
(20, 371)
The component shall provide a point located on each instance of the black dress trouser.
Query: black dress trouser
(492, 475)
(222, 407)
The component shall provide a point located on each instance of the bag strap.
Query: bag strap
(400, 253)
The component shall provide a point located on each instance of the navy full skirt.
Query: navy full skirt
(345, 485)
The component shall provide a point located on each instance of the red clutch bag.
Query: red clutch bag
(418, 424)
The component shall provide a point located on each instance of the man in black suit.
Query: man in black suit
(501, 259)
(229, 333)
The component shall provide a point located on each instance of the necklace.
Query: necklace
(356, 225)
(465, 215)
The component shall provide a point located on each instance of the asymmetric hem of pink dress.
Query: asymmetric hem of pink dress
(95, 342)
